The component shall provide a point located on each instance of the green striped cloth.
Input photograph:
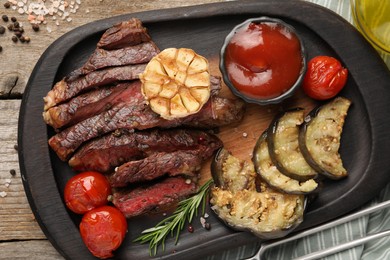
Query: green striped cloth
(378, 249)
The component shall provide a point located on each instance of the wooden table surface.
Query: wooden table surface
(20, 235)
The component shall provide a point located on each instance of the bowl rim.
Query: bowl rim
(254, 100)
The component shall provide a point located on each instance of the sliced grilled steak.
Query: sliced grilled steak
(124, 34)
(155, 166)
(141, 53)
(216, 112)
(104, 153)
(64, 90)
(87, 105)
(96, 101)
(151, 198)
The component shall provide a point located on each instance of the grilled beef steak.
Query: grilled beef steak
(87, 105)
(141, 53)
(155, 166)
(141, 200)
(64, 90)
(105, 153)
(124, 34)
(216, 112)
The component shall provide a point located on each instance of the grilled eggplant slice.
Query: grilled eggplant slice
(283, 145)
(320, 136)
(271, 175)
(266, 213)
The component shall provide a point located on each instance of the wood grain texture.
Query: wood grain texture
(32, 250)
(17, 221)
(17, 60)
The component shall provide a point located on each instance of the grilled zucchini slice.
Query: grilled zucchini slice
(283, 145)
(271, 175)
(320, 137)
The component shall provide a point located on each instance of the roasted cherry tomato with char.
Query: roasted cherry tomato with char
(325, 78)
(86, 191)
(103, 230)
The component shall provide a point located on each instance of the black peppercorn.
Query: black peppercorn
(21, 38)
(14, 38)
(10, 27)
(190, 229)
(16, 147)
(2, 29)
(16, 25)
(7, 5)
(18, 34)
(4, 17)
(13, 19)
(1, 48)
(35, 27)
(12, 172)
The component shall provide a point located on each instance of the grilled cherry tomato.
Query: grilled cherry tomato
(103, 230)
(86, 191)
(325, 78)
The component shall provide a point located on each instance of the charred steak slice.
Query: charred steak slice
(124, 34)
(151, 198)
(87, 105)
(216, 112)
(155, 166)
(104, 153)
(63, 90)
(141, 53)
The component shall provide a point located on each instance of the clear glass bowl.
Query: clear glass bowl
(372, 19)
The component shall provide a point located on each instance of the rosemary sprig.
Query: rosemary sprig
(185, 210)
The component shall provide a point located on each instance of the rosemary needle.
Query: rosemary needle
(185, 210)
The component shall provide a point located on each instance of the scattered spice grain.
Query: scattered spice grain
(12, 172)
(35, 27)
(16, 147)
(27, 39)
(190, 228)
(7, 5)
(13, 19)
(5, 18)
(2, 29)
(14, 38)
(10, 27)
(1, 48)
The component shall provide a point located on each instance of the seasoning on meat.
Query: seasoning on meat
(153, 197)
(104, 153)
(159, 164)
(64, 90)
(217, 112)
(86, 105)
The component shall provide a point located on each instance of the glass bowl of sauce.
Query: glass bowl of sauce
(263, 60)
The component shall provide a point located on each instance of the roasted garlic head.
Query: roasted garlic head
(176, 83)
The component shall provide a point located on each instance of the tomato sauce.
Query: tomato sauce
(263, 60)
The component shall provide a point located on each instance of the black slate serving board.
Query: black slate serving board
(365, 144)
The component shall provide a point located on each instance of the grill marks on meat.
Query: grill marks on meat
(141, 200)
(64, 90)
(105, 153)
(134, 114)
(155, 166)
(123, 34)
(141, 53)
(87, 105)
(103, 109)
(122, 53)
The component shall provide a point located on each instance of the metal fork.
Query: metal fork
(267, 245)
